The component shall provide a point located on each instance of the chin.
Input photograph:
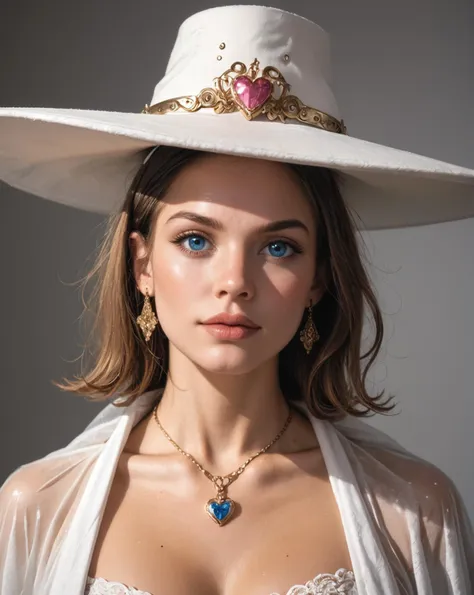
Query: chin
(227, 359)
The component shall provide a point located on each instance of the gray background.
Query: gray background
(403, 75)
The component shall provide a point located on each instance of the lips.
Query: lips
(228, 332)
(231, 320)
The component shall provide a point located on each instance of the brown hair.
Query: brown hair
(330, 379)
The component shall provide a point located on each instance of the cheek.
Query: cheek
(284, 301)
(291, 284)
(177, 282)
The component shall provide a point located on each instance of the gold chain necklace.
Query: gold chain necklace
(221, 508)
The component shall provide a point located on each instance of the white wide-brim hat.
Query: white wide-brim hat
(244, 80)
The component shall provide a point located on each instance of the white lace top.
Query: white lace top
(341, 583)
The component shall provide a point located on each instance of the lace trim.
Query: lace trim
(341, 583)
(100, 586)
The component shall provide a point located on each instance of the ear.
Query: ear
(318, 288)
(142, 270)
(315, 295)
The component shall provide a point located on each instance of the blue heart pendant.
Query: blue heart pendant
(220, 512)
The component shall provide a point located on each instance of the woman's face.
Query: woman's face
(235, 235)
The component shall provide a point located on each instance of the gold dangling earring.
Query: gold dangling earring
(147, 320)
(309, 335)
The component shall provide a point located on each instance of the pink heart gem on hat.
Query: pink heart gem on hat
(252, 94)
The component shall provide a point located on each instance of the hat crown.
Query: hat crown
(210, 41)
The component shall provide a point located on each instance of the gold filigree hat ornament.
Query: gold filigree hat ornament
(252, 81)
(242, 89)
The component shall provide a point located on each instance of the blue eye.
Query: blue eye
(196, 242)
(279, 248)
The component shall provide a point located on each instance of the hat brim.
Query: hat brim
(87, 159)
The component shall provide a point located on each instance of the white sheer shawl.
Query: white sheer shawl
(407, 529)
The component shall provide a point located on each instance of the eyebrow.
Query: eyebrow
(217, 225)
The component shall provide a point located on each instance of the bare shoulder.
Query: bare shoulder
(421, 509)
(45, 485)
(431, 488)
(24, 484)
(23, 501)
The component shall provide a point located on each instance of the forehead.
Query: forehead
(229, 184)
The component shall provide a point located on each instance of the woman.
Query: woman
(231, 301)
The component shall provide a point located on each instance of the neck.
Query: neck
(221, 419)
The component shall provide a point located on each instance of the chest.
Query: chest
(157, 536)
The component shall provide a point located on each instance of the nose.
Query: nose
(233, 275)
